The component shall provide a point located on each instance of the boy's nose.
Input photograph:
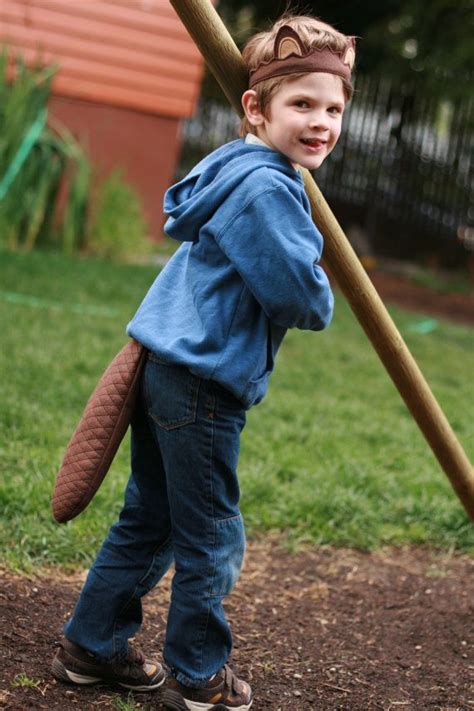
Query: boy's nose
(318, 121)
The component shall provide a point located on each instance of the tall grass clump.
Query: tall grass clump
(37, 165)
(46, 178)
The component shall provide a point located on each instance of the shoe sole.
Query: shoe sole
(175, 702)
(61, 673)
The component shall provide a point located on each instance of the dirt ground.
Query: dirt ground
(400, 290)
(324, 629)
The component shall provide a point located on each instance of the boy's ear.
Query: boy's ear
(251, 108)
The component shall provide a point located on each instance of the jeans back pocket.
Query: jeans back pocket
(171, 394)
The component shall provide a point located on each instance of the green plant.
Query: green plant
(118, 228)
(24, 680)
(46, 179)
(78, 179)
(35, 162)
(128, 704)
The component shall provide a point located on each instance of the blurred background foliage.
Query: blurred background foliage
(50, 193)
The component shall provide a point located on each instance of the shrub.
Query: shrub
(117, 229)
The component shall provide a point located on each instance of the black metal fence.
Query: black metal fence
(401, 174)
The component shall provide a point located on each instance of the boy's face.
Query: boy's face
(303, 120)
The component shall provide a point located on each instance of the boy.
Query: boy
(212, 322)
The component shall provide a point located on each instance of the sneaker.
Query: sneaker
(222, 692)
(75, 665)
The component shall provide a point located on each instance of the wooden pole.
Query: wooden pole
(225, 61)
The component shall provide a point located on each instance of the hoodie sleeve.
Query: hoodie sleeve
(275, 246)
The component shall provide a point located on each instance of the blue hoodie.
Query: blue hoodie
(246, 272)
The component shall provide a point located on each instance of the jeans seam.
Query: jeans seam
(132, 597)
(203, 633)
(156, 552)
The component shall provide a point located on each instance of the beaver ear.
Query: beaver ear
(349, 56)
(287, 42)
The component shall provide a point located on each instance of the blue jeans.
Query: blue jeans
(181, 504)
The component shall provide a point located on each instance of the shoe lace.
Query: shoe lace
(230, 679)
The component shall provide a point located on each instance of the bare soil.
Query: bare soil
(324, 629)
(401, 290)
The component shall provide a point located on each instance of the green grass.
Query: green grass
(128, 704)
(331, 456)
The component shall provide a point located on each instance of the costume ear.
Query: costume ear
(349, 56)
(287, 42)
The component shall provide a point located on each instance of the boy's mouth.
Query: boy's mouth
(313, 142)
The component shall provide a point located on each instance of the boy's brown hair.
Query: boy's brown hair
(313, 33)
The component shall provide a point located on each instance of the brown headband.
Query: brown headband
(289, 58)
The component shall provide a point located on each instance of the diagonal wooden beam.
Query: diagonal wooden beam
(225, 61)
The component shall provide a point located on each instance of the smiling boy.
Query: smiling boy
(304, 118)
(247, 270)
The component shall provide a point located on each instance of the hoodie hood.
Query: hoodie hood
(191, 203)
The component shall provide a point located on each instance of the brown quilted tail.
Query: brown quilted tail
(99, 433)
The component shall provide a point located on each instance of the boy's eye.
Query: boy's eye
(335, 110)
(301, 104)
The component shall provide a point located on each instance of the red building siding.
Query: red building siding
(128, 72)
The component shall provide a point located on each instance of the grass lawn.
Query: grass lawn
(332, 455)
